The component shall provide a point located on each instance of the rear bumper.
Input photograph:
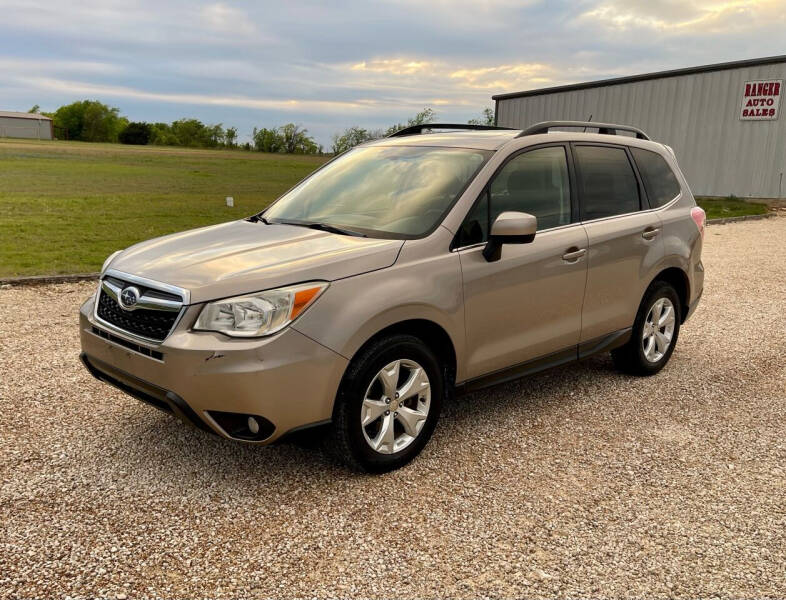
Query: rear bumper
(697, 289)
(214, 382)
(693, 305)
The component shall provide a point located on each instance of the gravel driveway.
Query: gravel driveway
(575, 482)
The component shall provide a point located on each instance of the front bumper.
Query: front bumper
(287, 379)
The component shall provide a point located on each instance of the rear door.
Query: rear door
(624, 236)
(528, 303)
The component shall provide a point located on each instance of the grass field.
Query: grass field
(722, 208)
(65, 206)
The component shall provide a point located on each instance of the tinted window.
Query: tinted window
(475, 228)
(607, 183)
(658, 178)
(535, 182)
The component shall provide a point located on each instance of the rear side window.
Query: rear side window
(607, 183)
(658, 178)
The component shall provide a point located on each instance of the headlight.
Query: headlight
(109, 260)
(259, 314)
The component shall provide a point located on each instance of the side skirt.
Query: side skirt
(549, 361)
(605, 343)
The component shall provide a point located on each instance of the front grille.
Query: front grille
(146, 291)
(151, 324)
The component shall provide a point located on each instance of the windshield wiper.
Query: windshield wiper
(258, 219)
(322, 227)
(334, 229)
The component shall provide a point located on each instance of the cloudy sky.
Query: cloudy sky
(327, 65)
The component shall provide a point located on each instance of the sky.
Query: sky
(330, 65)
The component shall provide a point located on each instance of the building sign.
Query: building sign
(761, 100)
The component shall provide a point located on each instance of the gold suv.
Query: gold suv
(442, 257)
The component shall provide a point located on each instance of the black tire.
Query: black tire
(630, 358)
(348, 442)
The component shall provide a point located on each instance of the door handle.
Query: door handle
(650, 233)
(573, 254)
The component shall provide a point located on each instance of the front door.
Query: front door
(527, 304)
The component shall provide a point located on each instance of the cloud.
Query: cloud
(327, 65)
(394, 66)
(673, 17)
(107, 91)
(505, 76)
(30, 65)
(456, 75)
(225, 19)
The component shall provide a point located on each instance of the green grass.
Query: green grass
(65, 206)
(721, 208)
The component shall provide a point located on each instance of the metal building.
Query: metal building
(723, 121)
(26, 125)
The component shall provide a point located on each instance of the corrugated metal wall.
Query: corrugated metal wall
(25, 128)
(697, 115)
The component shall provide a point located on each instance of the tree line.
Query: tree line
(93, 121)
(352, 136)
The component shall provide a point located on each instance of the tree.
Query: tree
(350, 138)
(427, 115)
(230, 137)
(89, 121)
(189, 132)
(287, 139)
(136, 133)
(101, 123)
(161, 135)
(267, 140)
(296, 140)
(355, 135)
(35, 109)
(214, 135)
(487, 118)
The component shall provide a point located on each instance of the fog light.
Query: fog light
(242, 426)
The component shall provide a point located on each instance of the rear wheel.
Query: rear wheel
(654, 334)
(388, 404)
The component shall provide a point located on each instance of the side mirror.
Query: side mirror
(509, 228)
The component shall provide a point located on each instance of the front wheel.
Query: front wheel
(654, 333)
(388, 404)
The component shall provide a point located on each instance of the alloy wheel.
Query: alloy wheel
(658, 329)
(396, 406)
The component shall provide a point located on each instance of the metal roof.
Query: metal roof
(737, 64)
(21, 115)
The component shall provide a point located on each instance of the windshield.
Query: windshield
(399, 190)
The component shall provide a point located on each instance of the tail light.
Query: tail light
(700, 218)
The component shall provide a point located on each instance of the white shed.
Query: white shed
(26, 125)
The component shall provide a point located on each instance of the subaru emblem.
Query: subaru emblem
(128, 298)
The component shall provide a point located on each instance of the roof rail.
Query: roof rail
(417, 129)
(604, 128)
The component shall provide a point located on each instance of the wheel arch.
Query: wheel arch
(431, 333)
(678, 279)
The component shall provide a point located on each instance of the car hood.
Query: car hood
(241, 257)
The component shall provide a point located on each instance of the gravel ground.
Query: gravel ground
(576, 482)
